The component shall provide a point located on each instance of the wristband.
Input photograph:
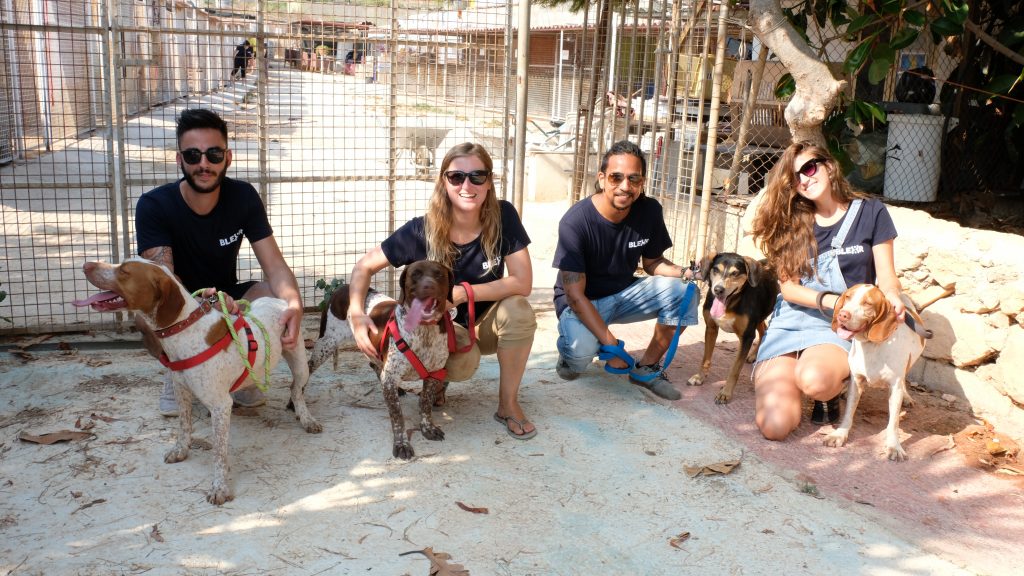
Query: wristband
(821, 298)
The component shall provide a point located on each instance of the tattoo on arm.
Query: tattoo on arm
(161, 255)
(572, 277)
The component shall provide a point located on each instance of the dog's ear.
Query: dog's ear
(451, 282)
(705, 266)
(753, 271)
(839, 306)
(401, 285)
(884, 323)
(167, 300)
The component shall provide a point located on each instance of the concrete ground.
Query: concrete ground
(602, 489)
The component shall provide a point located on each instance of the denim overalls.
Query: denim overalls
(793, 327)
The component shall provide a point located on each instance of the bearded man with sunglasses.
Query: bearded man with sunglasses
(195, 226)
(601, 239)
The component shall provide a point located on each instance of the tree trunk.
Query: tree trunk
(817, 91)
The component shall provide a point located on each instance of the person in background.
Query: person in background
(243, 54)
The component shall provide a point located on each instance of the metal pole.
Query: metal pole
(262, 86)
(709, 162)
(522, 86)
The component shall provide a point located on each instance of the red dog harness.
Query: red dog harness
(218, 346)
(403, 346)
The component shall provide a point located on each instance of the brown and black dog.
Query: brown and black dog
(741, 295)
(424, 285)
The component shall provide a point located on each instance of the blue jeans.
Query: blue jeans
(650, 297)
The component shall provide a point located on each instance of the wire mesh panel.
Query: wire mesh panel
(339, 116)
(56, 185)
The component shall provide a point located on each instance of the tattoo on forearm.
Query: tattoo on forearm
(572, 277)
(160, 255)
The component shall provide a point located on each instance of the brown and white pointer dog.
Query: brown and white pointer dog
(883, 351)
(188, 330)
(741, 295)
(425, 285)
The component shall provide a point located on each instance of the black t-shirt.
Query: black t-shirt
(873, 226)
(408, 244)
(608, 253)
(206, 247)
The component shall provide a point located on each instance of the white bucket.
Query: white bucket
(912, 165)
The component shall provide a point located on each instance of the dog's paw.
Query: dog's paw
(403, 451)
(176, 454)
(219, 494)
(723, 397)
(896, 453)
(836, 439)
(311, 426)
(696, 380)
(431, 432)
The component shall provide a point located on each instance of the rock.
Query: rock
(949, 398)
(1011, 364)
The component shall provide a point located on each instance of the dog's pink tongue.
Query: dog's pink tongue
(415, 313)
(101, 297)
(843, 333)
(717, 308)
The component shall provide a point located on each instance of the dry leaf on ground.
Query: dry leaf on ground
(155, 534)
(52, 437)
(675, 541)
(439, 565)
(711, 469)
(472, 509)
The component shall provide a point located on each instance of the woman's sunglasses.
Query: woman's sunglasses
(810, 168)
(194, 155)
(457, 177)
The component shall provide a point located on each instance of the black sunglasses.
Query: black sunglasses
(457, 177)
(193, 155)
(616, 178)
(809, 168)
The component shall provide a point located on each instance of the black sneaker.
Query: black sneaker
(660, 385)
(825, 412)
(564, 371)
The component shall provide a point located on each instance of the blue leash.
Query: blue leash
(607, 352)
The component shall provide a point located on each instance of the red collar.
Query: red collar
(205, 306)
(218, 346)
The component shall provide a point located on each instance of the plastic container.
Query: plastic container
(912, 165)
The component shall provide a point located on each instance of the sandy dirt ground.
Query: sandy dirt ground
(602, 489)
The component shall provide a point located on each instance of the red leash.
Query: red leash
(450, 324)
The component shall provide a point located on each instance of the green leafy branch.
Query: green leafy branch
(328, 288)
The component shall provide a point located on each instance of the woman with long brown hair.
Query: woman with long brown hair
(479, 237)
(821, 236)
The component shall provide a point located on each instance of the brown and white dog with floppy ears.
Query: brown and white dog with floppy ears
(425, 290)
(190, 336)
(883, 351)
(741, 295)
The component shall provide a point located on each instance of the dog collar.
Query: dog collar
(205, 306)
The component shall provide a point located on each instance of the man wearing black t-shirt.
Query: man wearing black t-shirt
(195, 227)
(601, 239)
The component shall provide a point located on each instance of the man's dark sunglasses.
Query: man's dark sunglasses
(809, 168)
(194, 155)
(457, 177)
(616, 178)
